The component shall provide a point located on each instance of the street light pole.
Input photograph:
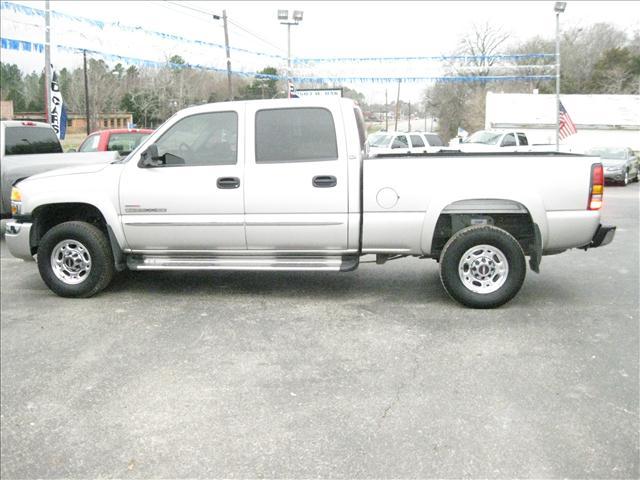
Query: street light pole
(558, 8)
(283, 16)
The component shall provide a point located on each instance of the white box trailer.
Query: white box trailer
(601, 120)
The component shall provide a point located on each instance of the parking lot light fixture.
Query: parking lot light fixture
(296, 18)
(560, 7)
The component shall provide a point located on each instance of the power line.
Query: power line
(215, 16)
(255, 35)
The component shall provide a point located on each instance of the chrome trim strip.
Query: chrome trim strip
(292, 224)
(386, 250)
(250, 268)
(242, 252)
(232, 224)
(184, 224)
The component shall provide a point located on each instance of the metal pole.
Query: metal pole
(409, 128)
(386, 111)
(86, 91)
(557, 81)
(397, 104)
(47, 60)
(288, 59)
(226, 44)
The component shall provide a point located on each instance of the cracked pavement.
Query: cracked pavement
(375, 373)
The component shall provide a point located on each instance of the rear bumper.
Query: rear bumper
(603, 236)
(17, 237)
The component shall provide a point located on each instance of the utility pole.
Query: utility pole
(226, 44)
(47, 60)
(398, 104)
(409, 129)
(86, 91)
(386, 111)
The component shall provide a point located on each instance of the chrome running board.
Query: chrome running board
(289, 263)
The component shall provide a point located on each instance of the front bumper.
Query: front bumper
(614, 176)
(17, 236)
(603, 236)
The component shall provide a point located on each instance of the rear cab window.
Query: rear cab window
(24, 140)
(434, 140)
(522, 139)
(295, 135)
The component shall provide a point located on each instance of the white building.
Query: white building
(601, 120)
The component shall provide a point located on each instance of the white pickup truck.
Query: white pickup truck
(283, 185)
(500, 141)
(28, 148)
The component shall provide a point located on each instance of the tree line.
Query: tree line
(598, 59)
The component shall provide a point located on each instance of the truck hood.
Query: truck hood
(82, 169)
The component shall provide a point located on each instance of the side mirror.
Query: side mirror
(150, 157)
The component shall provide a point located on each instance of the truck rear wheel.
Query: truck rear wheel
(482, 267)
(75, 260)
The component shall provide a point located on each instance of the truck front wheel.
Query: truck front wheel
(75, 260)
(482, 267)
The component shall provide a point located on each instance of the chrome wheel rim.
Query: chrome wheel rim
(71, 262)
(483, 269)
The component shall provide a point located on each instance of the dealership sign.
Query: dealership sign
(319, 92)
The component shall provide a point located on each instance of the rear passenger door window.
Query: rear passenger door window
(509, 140)
(522, 139)
(295, 135)
(400, 142)
(416, 141)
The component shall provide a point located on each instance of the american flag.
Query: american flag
(566, 126)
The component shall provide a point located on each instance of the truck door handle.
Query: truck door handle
(228, 182)
(324, 181)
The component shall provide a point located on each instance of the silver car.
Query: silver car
(620, 164)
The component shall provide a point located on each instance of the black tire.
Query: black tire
(101, 262)
(465, 240)
(625, 179)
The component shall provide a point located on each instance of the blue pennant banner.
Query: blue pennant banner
(21, 45)
(36, 12)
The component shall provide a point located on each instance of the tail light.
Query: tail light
(597, 187)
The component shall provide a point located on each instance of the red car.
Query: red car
(121, 139)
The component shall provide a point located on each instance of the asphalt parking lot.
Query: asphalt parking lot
(375, 373)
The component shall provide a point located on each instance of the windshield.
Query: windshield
(381, 141)
(125, 142)
(613, 153)
(488, 138)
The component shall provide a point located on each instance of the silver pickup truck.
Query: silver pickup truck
(284, 185)
(28, 148)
